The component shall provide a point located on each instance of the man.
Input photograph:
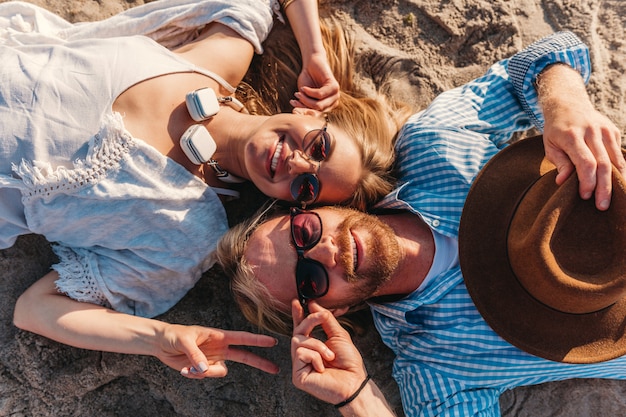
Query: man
(406, 265)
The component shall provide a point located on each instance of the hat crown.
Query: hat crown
(567, 254)
(585, 247)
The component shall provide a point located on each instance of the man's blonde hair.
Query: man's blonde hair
(256, 303)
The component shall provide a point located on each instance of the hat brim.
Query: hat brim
(499, 297)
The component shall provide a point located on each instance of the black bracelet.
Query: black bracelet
(356, 394)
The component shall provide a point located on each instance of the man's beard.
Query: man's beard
(383, 253)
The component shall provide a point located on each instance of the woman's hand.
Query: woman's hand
(199, 352)
(318, 88)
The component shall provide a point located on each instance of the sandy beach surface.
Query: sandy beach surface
(417, 48)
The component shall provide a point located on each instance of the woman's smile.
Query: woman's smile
(276, 157)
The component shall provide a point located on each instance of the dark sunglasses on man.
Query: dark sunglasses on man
(305, 188)
(311, 276)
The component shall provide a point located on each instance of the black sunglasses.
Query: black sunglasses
(305, 188)
(311, 276)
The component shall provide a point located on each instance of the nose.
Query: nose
(325, 252)
(300, 164)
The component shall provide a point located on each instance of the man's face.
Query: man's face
(358, 251)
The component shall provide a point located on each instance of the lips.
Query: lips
(276, 156)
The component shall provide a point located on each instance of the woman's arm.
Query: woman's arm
(196, 351)
(318, 88)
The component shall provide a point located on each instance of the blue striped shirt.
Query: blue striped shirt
(448, 360)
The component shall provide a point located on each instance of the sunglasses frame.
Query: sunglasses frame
(293, 212)
(311, 178)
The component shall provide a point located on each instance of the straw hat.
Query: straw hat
(546, 269)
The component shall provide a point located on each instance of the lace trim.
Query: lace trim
(106, 149)
(75, 279)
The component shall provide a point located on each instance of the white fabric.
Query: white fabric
(169, 22)
(133, 229)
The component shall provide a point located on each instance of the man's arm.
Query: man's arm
(576, 136)
(196, 351)
(333, 370)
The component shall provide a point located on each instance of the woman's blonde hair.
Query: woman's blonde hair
(371, 120)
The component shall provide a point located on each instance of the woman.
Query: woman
(96, 143)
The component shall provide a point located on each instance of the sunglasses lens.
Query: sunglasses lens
(306, 230)
(311, 279)
(317, 145)
(305, 188)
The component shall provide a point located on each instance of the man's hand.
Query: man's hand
(199, 352)
(332, 370)
(576, 136)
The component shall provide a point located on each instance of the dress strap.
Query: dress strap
(215, 77)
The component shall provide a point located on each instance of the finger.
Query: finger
(197, 358)
(309, 323)
(583, 161)
(249, 339)
(325, 91)
(325, 104)
(306, 101)
(298, 107)
(329, 322)
(304, 357)
(312, 343)
(250, 359)
(604, 170)
(604, 188)
(613, 144)
(215, 370)
(297, 314)
(564, 166)
(187, 373)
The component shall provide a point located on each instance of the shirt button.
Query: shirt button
(435, 222)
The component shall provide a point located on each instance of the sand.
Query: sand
(416, 47)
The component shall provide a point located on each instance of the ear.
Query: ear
(308, 112)
(337, 312)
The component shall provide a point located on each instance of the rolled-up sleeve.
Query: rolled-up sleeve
(525, 66)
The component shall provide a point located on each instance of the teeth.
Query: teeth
(355, 253)
(279, 148)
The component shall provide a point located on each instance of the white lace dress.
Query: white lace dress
(133, 229)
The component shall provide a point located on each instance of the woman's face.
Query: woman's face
(284, 148)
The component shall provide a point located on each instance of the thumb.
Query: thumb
(199, 362)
